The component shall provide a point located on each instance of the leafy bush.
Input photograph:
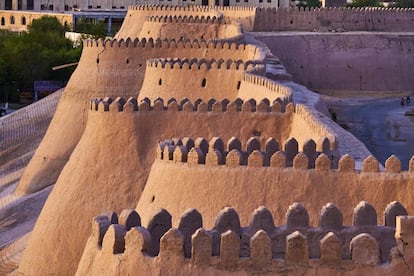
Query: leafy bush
(30, 56)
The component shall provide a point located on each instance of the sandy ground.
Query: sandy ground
(20, 135)
(378, 120)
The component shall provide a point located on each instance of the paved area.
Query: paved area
(379, 123)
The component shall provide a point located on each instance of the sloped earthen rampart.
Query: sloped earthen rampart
(102, 60)
(259, 247)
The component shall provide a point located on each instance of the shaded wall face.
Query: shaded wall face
(345, 19)
(191, 83)
(360, 62)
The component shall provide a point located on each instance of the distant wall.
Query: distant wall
(349, 19)
(347, 61)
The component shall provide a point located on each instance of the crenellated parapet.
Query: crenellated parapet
(272, 153)
(259, 246)
(220, 49)
(334, 19)
(189, 26)
(203, 64)
(252, 154)
(159, 105)
(317, 122)
(173, 19)
(363, 9)
(169, 43)
(283, 92)
(170, 8)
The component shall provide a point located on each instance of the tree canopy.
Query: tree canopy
(96, 30)
(365, 3)
(404, 4)
(309, 4)
(30, 56)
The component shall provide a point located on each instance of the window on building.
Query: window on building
(66, 7)
(3, 21)
(98, 7)
(42, 7)
(23, 20)
(30, 5)
(75, 6)
(260, 1)
(8, 5)
(246, 1)
(269, 1)
(113, 7)
(12, 20)
(50, 7)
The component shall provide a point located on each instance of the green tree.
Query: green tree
(364, 3)
(31, 55)
(310, 4)
(404, 4)
(96, 30)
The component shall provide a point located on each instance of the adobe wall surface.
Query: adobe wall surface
(246, 15)
(94, 77)
(348, 19)
(137, 16)
(119, 148)
(107, 148)
(347, 61)
(123, 246)
(166, 79)
(207, 188)
(189, 28)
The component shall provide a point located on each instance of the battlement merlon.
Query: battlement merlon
(312, 155)
(202, 64)
(256, 52)
(262, 242)
(202, 19)
(212, 105)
